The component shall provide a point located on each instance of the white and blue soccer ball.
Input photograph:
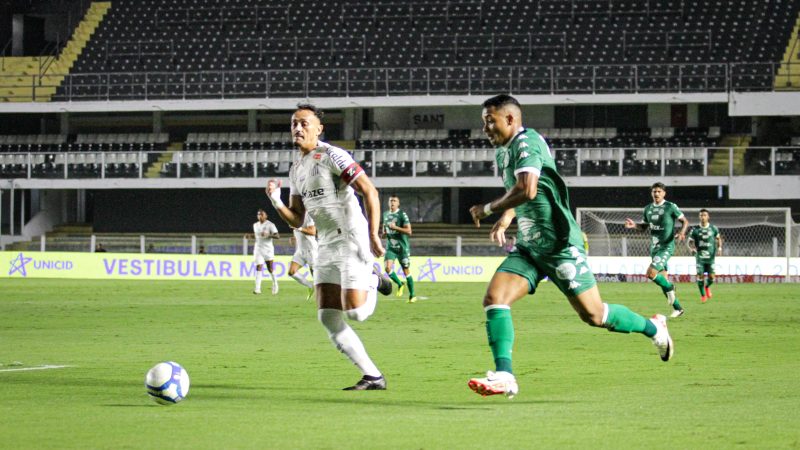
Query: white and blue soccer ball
(167, 383)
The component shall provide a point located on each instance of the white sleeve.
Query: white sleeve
(272, 228)
(255, 228)
(309, 221)
(292, 188)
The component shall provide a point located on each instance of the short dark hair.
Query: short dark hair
(499, 101)
(309, 107)
(394, 196)
(658, 184)
(705, 211)
(262, 210)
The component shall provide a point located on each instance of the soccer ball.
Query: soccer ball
(167, 383)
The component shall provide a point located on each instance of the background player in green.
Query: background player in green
(705, 243)
(659, 217)
(397, 229)
(549, 243)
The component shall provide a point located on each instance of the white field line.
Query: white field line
(26, 369)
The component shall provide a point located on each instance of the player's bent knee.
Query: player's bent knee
(492, 299)
(359, 314)
(592, 319)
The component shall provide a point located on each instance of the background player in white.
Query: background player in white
(305, 252)
(264, 232)
(323, 182)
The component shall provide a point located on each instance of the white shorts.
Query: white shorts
(303, 258)
(262, 255)
(342, 263)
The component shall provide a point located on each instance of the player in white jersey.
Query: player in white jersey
(305, 252)
(264, 232)
(323, 182)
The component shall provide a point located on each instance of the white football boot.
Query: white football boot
(495, 383)
(275, 288)
(662, 340)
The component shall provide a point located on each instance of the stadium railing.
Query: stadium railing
(454, 80)
(467, 162)
(467, 243)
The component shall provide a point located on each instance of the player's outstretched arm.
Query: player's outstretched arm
(405, 230)
(524, 189)
(630, 224)
(294, 213)
(310, 230)
(682, 233)
(372, 205)
(498, 233)
(690, 245)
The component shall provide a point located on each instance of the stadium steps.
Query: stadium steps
(17, 76)
(789, 75)
(718, 166)
(154, 171)
(77, 232)
(16, 84)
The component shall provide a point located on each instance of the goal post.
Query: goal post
(746, 232)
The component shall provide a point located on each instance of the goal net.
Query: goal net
(745, 231)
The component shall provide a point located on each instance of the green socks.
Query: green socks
(622, 320)
(395, 278)
(709, 281)
(665, 285)
(410, 282)
(500, 330)
(702, 287)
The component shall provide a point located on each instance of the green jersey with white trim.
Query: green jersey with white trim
(661, 219)
(394, 238)
(705, 241)
(545, 223)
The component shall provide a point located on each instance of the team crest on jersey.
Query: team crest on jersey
(318, 156)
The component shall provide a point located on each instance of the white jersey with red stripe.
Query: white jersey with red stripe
(323, 177)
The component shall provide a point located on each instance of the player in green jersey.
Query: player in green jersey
(397, 229)
(659, 217)
(549, 244)
(705, 243)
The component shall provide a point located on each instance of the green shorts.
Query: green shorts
(660, 257)
(403, 256)
(704, 266)
(566, 268)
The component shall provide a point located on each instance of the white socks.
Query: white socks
(346, 340)
(259, 276)
(361, 313)
(302, 280)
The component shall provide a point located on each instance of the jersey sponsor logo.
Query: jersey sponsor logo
(313, 193)
(337, 158)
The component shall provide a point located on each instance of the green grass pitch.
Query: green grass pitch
(264, 374)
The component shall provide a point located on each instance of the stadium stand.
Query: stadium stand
(209, 49)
